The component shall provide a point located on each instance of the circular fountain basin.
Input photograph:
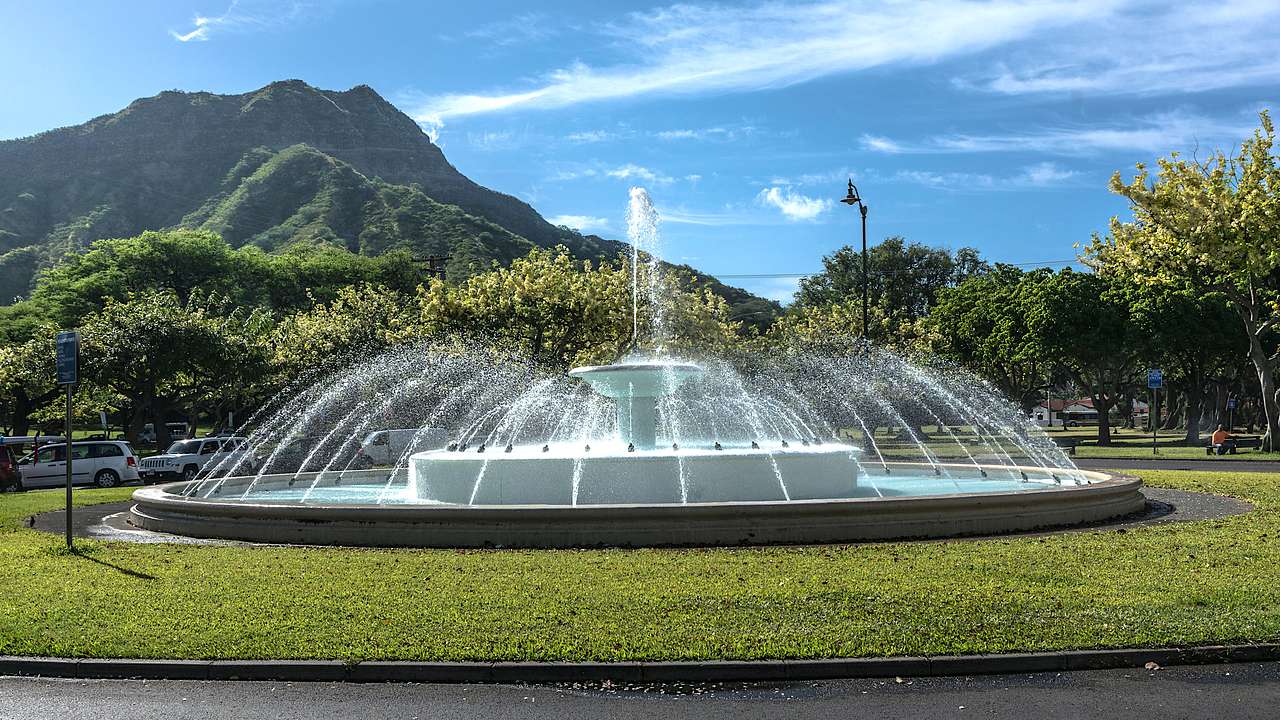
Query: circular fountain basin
(612, 474)
(909, 501)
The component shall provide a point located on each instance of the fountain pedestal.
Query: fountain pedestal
(635, 389)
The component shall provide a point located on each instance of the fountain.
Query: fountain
(654, 449)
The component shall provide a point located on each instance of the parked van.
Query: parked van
(105, 463)
(385, 447)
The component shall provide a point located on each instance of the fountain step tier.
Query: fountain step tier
(612, 475)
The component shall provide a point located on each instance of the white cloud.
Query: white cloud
(1046, 173)
(581, 223)
(242, 16)
(1155, 133)
(879, 144)
(631, 171)
(693, 50)
(793, 205)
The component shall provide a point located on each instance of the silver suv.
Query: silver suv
(186, 458)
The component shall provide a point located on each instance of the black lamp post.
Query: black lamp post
(853, 198)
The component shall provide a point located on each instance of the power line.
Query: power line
(766, 276)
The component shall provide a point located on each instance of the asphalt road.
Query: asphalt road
(1213, 691)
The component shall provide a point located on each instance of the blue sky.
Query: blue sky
(991, 124)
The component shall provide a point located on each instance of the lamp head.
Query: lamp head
(852, 198)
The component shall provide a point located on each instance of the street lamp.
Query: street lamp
(853, 198)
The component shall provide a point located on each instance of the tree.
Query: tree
(360, 321)
(982, 323)
(188, 262)
(1188, 334)
(1215, 224)
(904, 279)
(160, 354)
(27, 378)
(1078, 321)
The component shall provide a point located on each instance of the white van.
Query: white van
(384, 447)
(105, 463)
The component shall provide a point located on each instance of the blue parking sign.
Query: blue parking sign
(67, 357)
(1155, 378)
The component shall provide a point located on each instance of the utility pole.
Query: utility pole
(436, 265)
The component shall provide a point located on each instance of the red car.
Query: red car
(10, 478)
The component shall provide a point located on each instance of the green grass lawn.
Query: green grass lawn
(1177, 584)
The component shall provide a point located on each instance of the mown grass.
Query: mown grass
(1176, 584)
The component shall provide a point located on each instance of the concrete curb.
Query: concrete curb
(633, 672)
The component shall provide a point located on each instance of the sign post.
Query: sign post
(1155, 380)
(1231, 414)
(68, 366)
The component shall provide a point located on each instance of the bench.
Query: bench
(1234, 444)
(1067, 443)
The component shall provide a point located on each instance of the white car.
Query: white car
(105, 463)
(384, 447)
(186, 458)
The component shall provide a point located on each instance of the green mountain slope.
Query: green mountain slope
(283, 164)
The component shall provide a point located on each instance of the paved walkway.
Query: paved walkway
(1213, 691)
(1157, 463)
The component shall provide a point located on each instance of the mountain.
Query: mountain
(284, 164)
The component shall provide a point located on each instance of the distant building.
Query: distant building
(1078, 411)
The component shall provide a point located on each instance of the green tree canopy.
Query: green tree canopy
(1215, 224)
(904, 279)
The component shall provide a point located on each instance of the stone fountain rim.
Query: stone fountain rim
(695, 524)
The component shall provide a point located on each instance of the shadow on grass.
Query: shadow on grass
(76, 552)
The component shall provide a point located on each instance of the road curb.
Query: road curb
(632, 672)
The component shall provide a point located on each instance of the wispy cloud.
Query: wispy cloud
(692, 49)
(718, 132)
(592, 136)
(242, 16)
(793, 205)
(1147, 49)
(523, 28)
(1155, 133)
(494, 140)
(581, 223)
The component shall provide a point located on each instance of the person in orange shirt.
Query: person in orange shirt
(1220, 440)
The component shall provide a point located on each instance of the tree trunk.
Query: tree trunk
(1266, 379)
(1195, 398)
(1173, 418)
(1104, 421)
